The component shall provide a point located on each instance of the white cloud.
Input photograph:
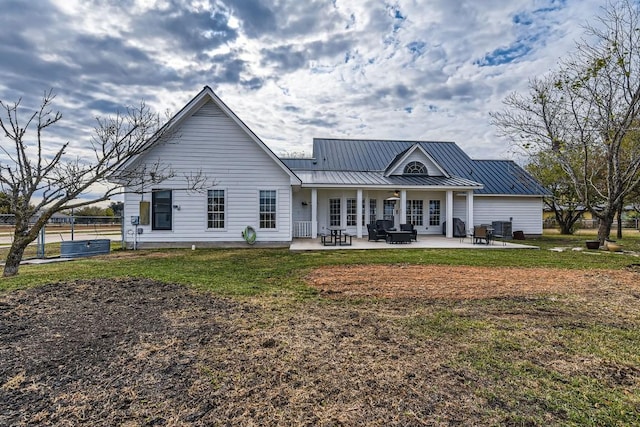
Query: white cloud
(293, 70)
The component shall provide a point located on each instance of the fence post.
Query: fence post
(40, 246)
(73, 221)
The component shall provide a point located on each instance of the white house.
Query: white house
(347, 183)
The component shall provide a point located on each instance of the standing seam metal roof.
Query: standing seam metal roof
(503, 177)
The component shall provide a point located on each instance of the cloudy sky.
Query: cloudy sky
(292, 69)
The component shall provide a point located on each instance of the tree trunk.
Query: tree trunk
(604, 229)
(566, 228)
(620, 209)
(14, 257)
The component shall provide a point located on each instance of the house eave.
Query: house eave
(393, 187)
(509, 195)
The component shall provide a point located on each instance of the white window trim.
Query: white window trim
(152, 213)
(206, 211)
(277, 210)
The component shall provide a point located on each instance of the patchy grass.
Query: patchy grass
(541, 361)
(278, 271)
(190, 357)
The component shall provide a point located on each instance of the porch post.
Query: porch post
(359, 213)
(469, 210)
(314, 213)
(403, 207)
(449, 217)
(366, 208)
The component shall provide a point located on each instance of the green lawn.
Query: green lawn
(267, 271)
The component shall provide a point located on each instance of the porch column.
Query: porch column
(359, 213)
(366, 208)
(314, 213)
(403, 207)
(449, 216)
(469, 210)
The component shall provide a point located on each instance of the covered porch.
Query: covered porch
(430, 209)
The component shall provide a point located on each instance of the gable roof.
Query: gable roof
(203, 97)
(395, 163)
(367, 161)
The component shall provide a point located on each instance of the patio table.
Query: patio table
(336, 235)
(399, 236)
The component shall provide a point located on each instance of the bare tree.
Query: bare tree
(40, 182)
(585, 114)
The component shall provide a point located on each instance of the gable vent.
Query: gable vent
(209, 110)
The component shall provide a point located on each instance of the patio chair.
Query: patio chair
(411, 228)
(480, 233)
(384, 225)
(375, 233)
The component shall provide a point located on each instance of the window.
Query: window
(373, 211)
(161, 206)
(215, 209)
(414, 212)
(415, 168)
(267, 208)
(434, 212)
(334, 212)
(352, 213)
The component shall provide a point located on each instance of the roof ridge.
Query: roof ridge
(410, 141)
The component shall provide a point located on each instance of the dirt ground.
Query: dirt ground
(458, 282)
(138, 352)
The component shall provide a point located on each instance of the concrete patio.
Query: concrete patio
(424, 242)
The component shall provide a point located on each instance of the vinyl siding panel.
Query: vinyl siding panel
(524, 212)
(211, 141)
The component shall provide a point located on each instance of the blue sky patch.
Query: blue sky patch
(505, 55)
(523, 19)
(417, 48)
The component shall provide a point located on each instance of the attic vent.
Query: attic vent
(209, 110)
(415, 168)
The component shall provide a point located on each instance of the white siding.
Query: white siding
(302, 205)
(524, 212)
(212, 142)
(460, 207)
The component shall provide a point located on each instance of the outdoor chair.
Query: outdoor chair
(384, 225)
(480, 233)
(411, 228)
(375, 233)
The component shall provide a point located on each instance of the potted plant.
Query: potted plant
(593, 244)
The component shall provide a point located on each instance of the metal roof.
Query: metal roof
(344, 157)
(505, 177)
(357, 178)
(371, 155)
